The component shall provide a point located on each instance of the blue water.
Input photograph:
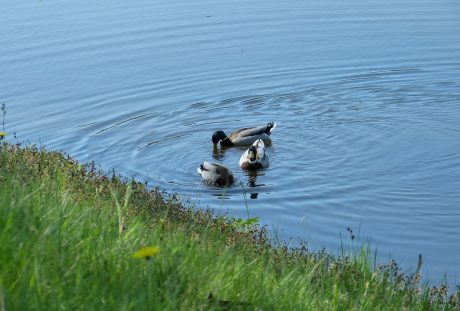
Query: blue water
(366, 95)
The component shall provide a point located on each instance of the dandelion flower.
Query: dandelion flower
(146, 252)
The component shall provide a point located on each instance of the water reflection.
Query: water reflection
(252, 183)
(218, 153)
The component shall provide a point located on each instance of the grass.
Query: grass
(73, 238)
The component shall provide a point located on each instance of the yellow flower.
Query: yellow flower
(2, 134)
(147, 252)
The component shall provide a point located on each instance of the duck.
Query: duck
(244, 136)
(254, 157)
(216, 174)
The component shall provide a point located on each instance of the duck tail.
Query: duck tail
(270, 127)
(200, 169)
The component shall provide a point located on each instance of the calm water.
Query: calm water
(366, 95)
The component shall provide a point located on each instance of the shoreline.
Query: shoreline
(243, 268)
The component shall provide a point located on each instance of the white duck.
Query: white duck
(216, 174)
(244, 136)
(255, 157)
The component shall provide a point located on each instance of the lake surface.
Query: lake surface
(366, 95)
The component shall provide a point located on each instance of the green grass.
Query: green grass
(68, 233)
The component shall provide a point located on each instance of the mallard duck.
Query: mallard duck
(255, 157)
(216, 174)
(244, 136)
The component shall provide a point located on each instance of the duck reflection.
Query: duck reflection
(252, 178)
(218, 153)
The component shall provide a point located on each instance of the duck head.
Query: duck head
(218, 136)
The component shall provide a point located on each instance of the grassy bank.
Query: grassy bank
(70, 236)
